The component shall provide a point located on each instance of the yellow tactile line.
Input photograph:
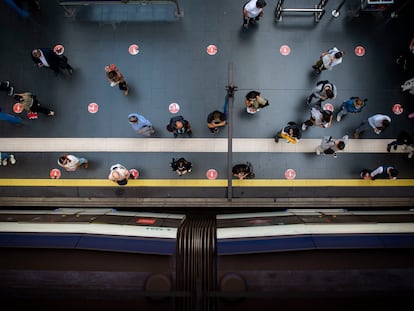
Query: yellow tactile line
(208, 183)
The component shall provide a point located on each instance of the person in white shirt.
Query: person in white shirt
(378, 122)
(119, 174)
(71, 162)
(328, 60)
(252, 11)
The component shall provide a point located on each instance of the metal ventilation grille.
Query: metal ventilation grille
(196, 265)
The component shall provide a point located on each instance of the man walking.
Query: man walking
(140, 124)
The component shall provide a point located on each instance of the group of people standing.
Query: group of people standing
(319, 114)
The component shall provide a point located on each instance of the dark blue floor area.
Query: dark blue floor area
(172, 66)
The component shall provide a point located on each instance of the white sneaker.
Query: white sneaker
(318, 152)
(4, 162)
(338, 118)
(345, 137)
(12, 160)
(304, 126)
(11, 92)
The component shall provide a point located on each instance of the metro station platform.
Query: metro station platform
(173, 66)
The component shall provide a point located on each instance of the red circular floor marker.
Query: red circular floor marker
(285, 50)
(397, 109)
(290, 173)
(59, 49)
(211, 173)
(93, 107)
(211, 49)
(134, 173)
(55, 173)
(17, 107)
(133, 49)
(359, 51)
(174, 107)
(328, 106)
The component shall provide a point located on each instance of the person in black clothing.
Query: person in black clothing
(243, 171)
(47, 58)
(291, 132)
(181, 166)
(403, 139)
(5, 86)
(215, 120)
(178, 125)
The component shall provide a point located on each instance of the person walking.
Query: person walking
(31, 104)
(181, 166)
(404, 139)
(323, 90)
(252, 11)
(140, 124)
(216, 120)
(331, 146)
(328, 60)
(381, 172)
(119, 174)
(378, 122)
(71, 162)
(6, 87)
(115, 78)
(291, 132)
(6, 157)
(47, 58)
(352, 105)
(254, 102)
(319, 117)
(179, 126)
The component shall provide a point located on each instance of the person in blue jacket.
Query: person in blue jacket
(352, 105)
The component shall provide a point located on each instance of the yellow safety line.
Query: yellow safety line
(208, 183)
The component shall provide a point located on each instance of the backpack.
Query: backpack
(171, 125)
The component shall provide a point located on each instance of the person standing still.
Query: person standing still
(252, 11)
(140, 124)
(216, 120)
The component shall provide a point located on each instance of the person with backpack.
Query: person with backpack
(328, 60)
(179, 126)
(331, 146)
(323, 90)
(319, 117)
(181, 166)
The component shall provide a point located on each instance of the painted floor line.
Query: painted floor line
(181, 145)
(207, 183)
